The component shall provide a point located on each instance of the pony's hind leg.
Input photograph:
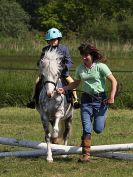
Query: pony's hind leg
(66, 134)
(68, 125)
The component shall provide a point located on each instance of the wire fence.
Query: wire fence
(71, 70)
(16, 88)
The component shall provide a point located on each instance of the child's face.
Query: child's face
(53, 42)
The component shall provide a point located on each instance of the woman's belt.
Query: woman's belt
(94, 94)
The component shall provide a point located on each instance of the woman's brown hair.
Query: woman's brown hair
(87, 48)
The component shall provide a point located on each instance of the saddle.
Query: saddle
(38, 89)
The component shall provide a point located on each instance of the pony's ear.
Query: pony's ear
(41, 63)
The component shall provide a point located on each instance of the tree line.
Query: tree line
(99, 19)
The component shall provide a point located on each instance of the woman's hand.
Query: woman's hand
(111, 97)
(109, 101)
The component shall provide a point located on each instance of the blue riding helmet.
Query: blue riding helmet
(53, 33)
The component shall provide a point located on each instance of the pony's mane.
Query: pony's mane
(51, 63)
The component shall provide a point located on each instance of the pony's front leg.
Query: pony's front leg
(47, 138)
(58, 115)
(55, 131)
(49, 149)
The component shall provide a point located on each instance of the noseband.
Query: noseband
(55, 84)
(46, 82)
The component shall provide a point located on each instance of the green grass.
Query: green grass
(25, 124)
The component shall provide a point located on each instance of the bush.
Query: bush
(125, 29)
(101, 29)
(108, 30)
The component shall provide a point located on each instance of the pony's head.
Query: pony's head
(50, 69)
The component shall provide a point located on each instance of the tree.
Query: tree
(67, 15)
(13, 19)
(31, 7)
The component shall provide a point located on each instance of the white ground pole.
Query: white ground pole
(62, 149)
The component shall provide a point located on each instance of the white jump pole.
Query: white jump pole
(62, 149)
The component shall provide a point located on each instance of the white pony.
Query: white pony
(52, 106)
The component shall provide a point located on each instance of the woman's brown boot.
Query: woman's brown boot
(86, 143)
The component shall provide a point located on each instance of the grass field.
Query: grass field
(16, 85)
(15, 90)
(24, 123)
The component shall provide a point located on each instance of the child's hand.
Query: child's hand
(60, 90)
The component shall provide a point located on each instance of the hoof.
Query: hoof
(64, 156)
(49, 160)
(54, 140)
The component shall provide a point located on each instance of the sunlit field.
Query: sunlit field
(18, 72)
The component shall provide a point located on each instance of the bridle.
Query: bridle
(55, 84)
(51, 82)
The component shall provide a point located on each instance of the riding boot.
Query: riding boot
(35, 97)
(86, 143)
(31, 104)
